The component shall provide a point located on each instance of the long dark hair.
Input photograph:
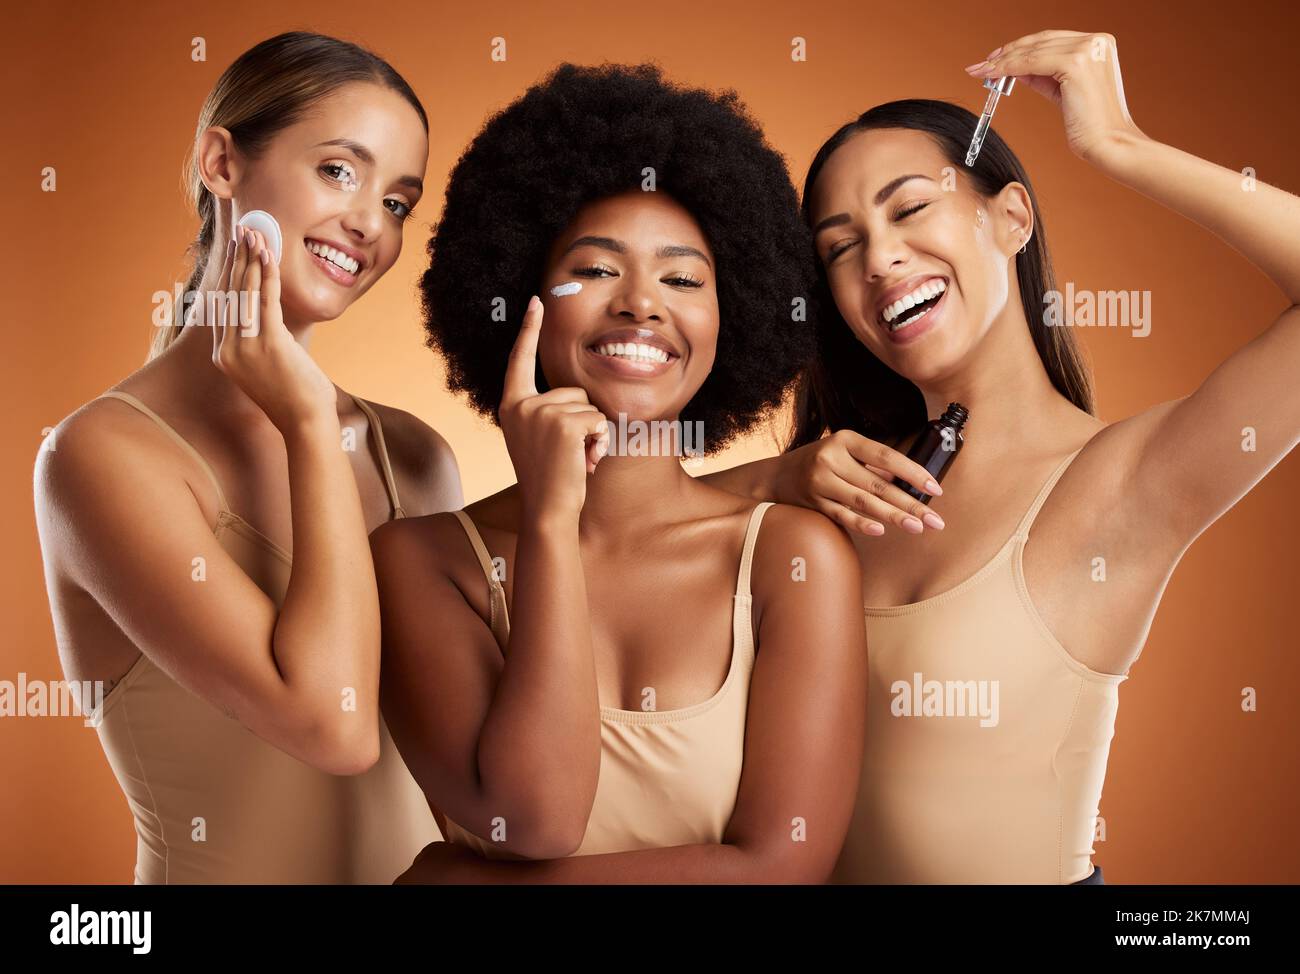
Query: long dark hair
(846, 387)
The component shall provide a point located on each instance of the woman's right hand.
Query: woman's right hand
(555, 438)
(252, 346)
(849, 478)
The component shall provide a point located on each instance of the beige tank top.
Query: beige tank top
(986, 741)
(213, 802)
(667, 777)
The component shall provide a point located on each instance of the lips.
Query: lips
(913, 323)
(630, 336)
(329, 254)
(896, 292)
(630, 352)
(339, 275)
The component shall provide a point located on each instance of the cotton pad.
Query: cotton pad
(264, 223)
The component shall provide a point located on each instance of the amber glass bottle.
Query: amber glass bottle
(937, 447)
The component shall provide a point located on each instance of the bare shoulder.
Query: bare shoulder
(807, 596)
(799, 544)
(415, 545)
(424, 464)
(99, 442)
(107, 463)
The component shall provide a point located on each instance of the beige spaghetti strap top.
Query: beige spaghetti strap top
(667, 777)
(986, 741)
(213, 802)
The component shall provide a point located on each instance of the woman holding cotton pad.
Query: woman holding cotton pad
(610, 671)
(998, 642)
(204, 523)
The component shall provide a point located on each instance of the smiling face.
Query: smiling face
(341, 183)
(641, 333)
(920, 272)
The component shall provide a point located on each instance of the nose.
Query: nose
(363, 220)
(884, 255)
(638, 299)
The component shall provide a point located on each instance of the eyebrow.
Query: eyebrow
(368, 157)
(618, 247)
(885, 192)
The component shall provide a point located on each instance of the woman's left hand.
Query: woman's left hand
(1078, 71)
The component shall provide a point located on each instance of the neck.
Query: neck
(221, 397)
(629, 494)
(1006, 389)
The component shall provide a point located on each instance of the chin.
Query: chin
(929, 368)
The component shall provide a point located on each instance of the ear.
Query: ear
(1014, 215)
(219, 162)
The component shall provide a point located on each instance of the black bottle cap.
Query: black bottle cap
(955, 415)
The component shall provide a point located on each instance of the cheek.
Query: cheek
(985, 284)
(847, 290)
(559, 345)
(699, 326)
(563, 316)
(391, 251)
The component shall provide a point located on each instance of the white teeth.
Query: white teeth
(927, 290)
(635, 352)
(336, 257)
(900, 324)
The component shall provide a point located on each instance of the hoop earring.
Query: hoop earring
(1024, 246)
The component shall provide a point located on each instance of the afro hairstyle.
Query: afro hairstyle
(586, 133)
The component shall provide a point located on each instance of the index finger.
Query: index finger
(521, 370)
(879, 455)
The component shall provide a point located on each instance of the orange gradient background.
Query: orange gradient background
(107, 94)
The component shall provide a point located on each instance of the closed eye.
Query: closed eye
(849, 244)
(839, 249)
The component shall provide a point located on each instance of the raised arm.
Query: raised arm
(1184, 463)
(491, 741)
(803, 736)
(120, 524)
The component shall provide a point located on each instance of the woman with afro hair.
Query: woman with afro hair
(606, 672)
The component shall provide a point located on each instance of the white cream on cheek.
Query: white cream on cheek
(562, 290)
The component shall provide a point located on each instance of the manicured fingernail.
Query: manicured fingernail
(975, 66)
(265, 255)
(532, 302)
(994, 53)
(230, 247)
(933, 520)
(932, 488)
(913, 525)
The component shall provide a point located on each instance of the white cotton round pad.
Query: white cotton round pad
(265, 224)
